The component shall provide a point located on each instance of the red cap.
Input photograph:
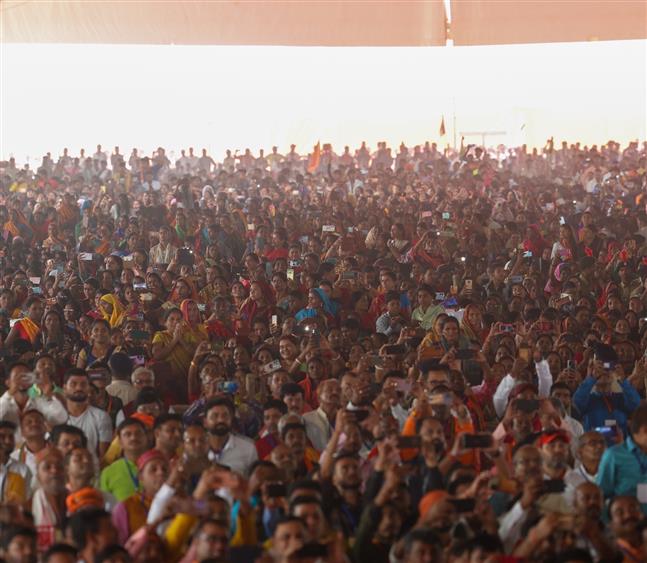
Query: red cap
(552, 435)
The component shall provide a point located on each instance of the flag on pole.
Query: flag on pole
(315, 159)
(442, 126)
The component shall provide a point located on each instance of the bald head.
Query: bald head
(588, 500)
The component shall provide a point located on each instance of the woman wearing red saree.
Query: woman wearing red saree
(259, 305)
(27, 328)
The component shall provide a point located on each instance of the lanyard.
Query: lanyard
(608, 403)
(5, 478)
(643, 465)
(134, 478)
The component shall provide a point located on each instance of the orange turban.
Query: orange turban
(430, 500)
(84, 498)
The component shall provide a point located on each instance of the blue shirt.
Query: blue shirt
(622, 469)
(596, 408)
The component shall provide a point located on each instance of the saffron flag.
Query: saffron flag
(442, 126)
(315, 159)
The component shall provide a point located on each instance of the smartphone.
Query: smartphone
(465, 354)
(147, 297)
(570, 364)
(294, 263)
(185, 257)
(473, 441)
(36, 290)
(304, 240)
(468, 285)
(86, 256)
(275, 320)
(463, 505)
(527, 254)
(608, 433)
(272, 366)
(446, 216)
(426, 214)
(516, 279)
(140, 335)
(140, 286)
(359, 414)
(251, 226)
(229, 387)
(403, 386)
(290, 274)
(276, 490)
(138, 360)
(395, 349)
(506, 327)
(529, 406)
(436, 399)
(524, 354)
(202, 307)
(553, 486)
(328, 228)
(406, 442)
(440, 296)
(349, 276)
(376, 361)
(34, 281)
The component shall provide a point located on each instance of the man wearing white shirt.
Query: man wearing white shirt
(163, 252)
(16, 400)
(528, 465)
(591, 446)
(226, 448)
(94, 422)
(319, 423)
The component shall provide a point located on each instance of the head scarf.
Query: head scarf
(184, 307)
(175, 294)
(474, 333)
(118, 310)
(329, 306)
(147, 457)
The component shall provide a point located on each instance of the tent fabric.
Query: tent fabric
(488, 22)
(325, 23)
(320, 22)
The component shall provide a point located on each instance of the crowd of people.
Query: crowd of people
(432, 356)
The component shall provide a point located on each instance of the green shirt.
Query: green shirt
(120, 479)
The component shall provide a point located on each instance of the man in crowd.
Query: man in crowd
(437, 357)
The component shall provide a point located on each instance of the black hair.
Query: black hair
(291, 389)
(305, 484)
(11, 531)
(85, 522)
(304, 499)
(638, 419)
(220, 402)
(130, 421)
(8, 425)
(75, 372)
(59, 548)
(422, 535)
(146, 396)
(291, 426)
(275, 404)
(59, 429)
(108, 552)
(167, 417)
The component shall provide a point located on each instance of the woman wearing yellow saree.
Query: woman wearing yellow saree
(177, 344)
(112, 309)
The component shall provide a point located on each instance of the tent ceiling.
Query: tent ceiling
(318, 22)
